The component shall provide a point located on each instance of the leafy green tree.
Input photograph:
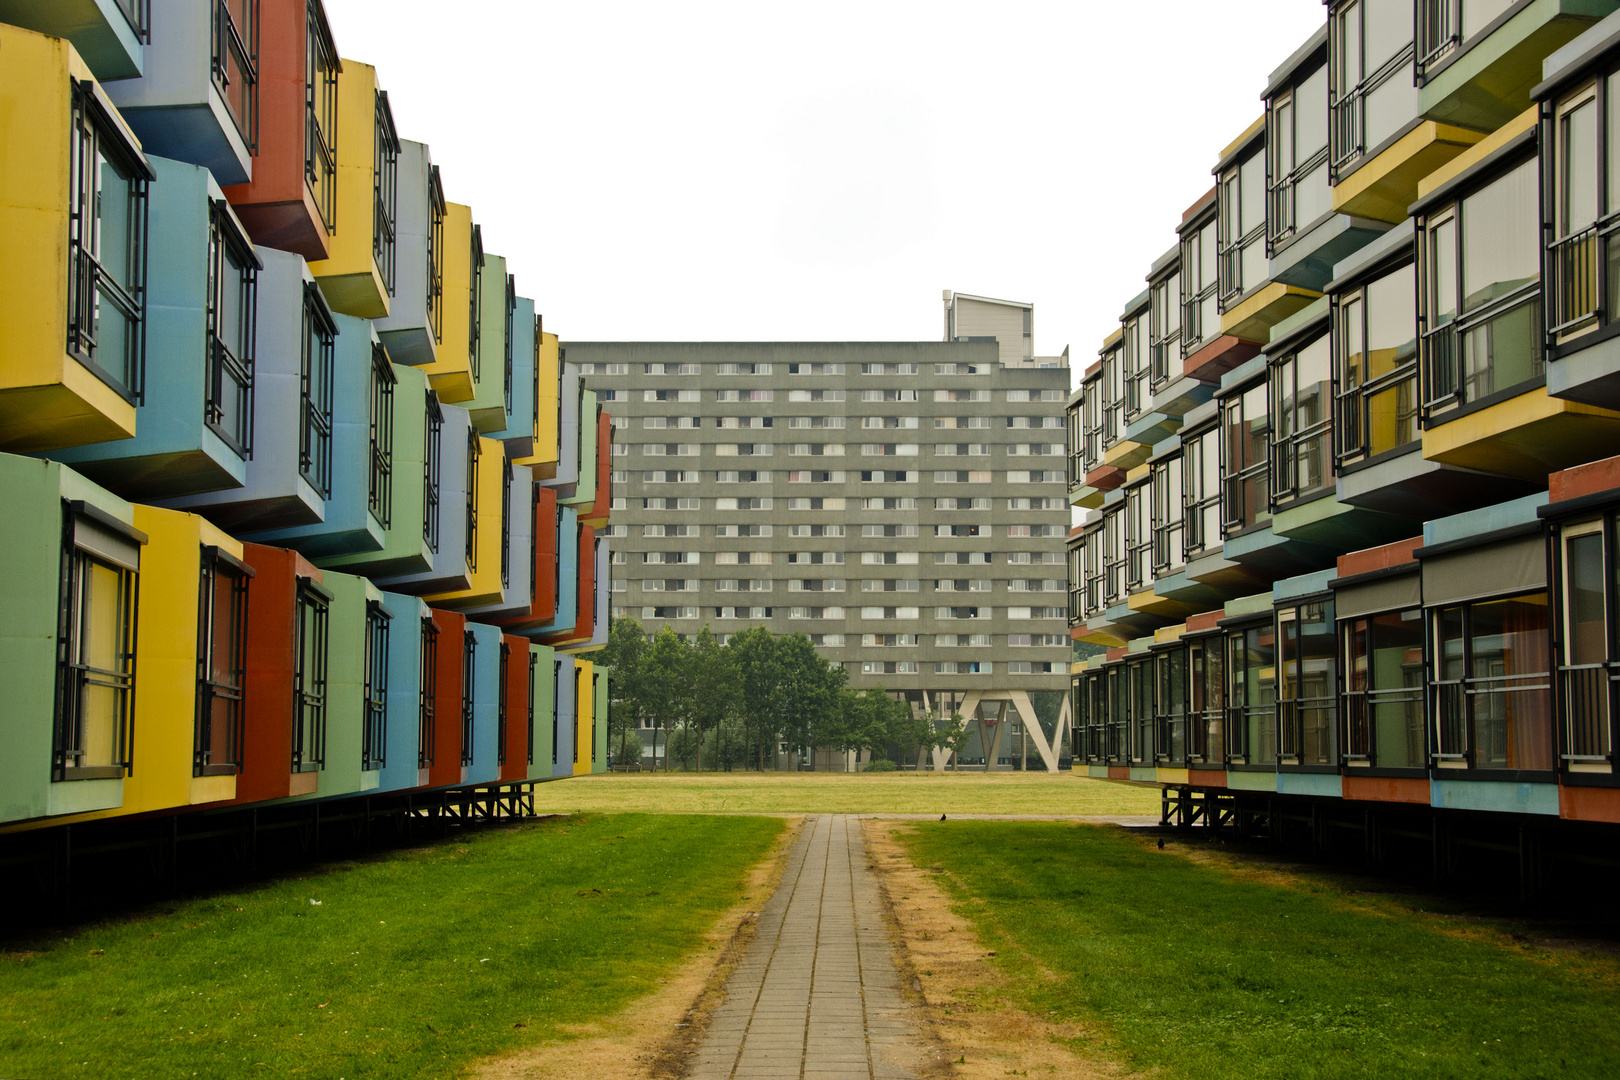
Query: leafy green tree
(686, 747)
(626, 656)
(715, 681)
(726, 744)
(954, 735)
(760, 680)
(630, 749)
(667, 683)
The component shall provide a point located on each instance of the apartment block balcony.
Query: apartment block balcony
(548, 383)
(1524, 437)
(446, 764)
(482, 762)
(586, 733)
(544, 571)
(391, 490)
(458, 362)
(524, 418)
(403, 693)
(366, 408)
(586, 425)
(198, 101)
(543, 700)
(283, 728)
(68, 543)
(517, 720)
(517, 561)
(583, 628)
(289, 476)
(1386, 184)
(446, 523)
(358, 273)
(111, 35)
(290, 202)
(1478, 60)
(413, 327)
(73, 243)
(596, 514)
(495, 372)
(565, 609)
(565, 475)
(194, 428)
(485, 513)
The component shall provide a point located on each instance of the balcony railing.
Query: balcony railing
(1588, 692)
(1573, 285)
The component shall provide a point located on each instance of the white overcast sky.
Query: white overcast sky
(762, 171)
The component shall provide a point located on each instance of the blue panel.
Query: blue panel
(565, 718)
(485, 768)
(1485, 519)
(1320, 784)
(1497, 795)
(404, 691)
(1304, 584)
(521, 423)
(568, 563)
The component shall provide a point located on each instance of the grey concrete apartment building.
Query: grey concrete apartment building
(902, 503)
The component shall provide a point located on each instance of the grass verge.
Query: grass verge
(848, 793)
(1194, 971)
(416, 964)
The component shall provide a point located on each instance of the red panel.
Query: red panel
(1105, 477)
(268, 681)
(517, 708)
(1206, 777)
(1588, 479)
(1378, 558)
(544, 606)
(604, 469)
(276, 207)
(1203, 200)
(1218, 357)
(1204, 620)
(446, 769)
(1119, 772)
(1387, 789)
(585, 603)
(1589, 803)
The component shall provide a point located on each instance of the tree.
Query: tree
(684, 746)
(726, 744)
(625, 655)
(954, 737)
(760, 680)
(666, 683)
(714, 678)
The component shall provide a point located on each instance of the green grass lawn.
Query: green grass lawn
(848, 793)
(1196, 972)
(413, 964)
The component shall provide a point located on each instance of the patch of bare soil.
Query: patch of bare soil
(963, 992)
(652, 1038)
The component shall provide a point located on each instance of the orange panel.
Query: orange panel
(1206, 777)
(446, 768)
(1387, 789)
(1589, 803)
(516, 765)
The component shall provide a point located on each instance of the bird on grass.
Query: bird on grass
(1161, 843)
(942, 817)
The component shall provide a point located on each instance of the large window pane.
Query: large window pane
(1578, 163)
(1501, 231)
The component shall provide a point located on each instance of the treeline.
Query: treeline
(732, 705)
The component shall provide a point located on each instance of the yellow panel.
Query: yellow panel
(1126, 454)
(451, 374)
(585, 707)
(546, 438)
(350, 279)
(1248, 133)
(1385, 186)
(1479, 151)
(1525, 437)
(1253, 319)
(485, 587)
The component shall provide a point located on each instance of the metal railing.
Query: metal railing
(1573, 284)
(1588, 696)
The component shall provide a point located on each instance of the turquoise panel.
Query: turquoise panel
(404, 691)
(1498, 795)
(485, 767)
(1320, 784)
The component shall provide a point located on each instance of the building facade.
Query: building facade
(900, 503)
(1348, 461)
(303, 504)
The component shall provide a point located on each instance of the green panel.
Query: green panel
(585, 489)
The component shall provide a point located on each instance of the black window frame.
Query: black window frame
(534, 663)
(321, 67)
(1439, 36)
(1239, 477)
(1230, 246)
(235, 51)
(1453, 737)
(1586, 703)
(469, 696)
(1206, 700)
(1112, 385)
(1198, 235)
(427, 694)
(507, 371)
(1351, 441)
(138, 13)
(316, 370)
(432, 470)
(1164, 340)
(219, 569)
(435, 255)
(1307, 723)
(380, 475)
(1136, 370)
(1282, 202)
(92, 538)
(1170, 704)
(385, 192)
(311, 619)
(1347, 133)
(374, 726)
(230, 254)
(1251, 726)
(506, 522)
(1287, 438)
(474, 452)
(502, 696)
(556, 703)
(1359, 730)
(475, 325)
(1169, 512)
(1138, 536)
(95, 135)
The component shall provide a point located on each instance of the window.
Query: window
(1482, 321)
(475, 306)
(374, 734)
(1302, 391)
(1168, 508)
(1252, 695)
(221, 663)
(1306, 647)
(469, 679)
(1113, 555)
(312, 609)
(320, 115)
(506, 522)
(1170, 705)
(502, 696)
(1383, 690)
(1200, 311)
(435, 261)
(1444, 25)
(1375, 362)
(1586, 672)
(233, 291)
(1138, 536)
(511, 312)
(380, 485)
(315, 393)
(1241, 232)
(107, 247)
(1246, 429)
(1091, 425)
(1373, 95)
(1492, 684)
(1297, 138)
(1206, 706)
(1164, 332)
(95, 644)
(474, 452)
(427, 693)
(1113, 396)
(1136, 367)
(385, 192)
(431, 472)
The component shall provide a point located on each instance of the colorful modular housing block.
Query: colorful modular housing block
(1348, 462)
(301, 503)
